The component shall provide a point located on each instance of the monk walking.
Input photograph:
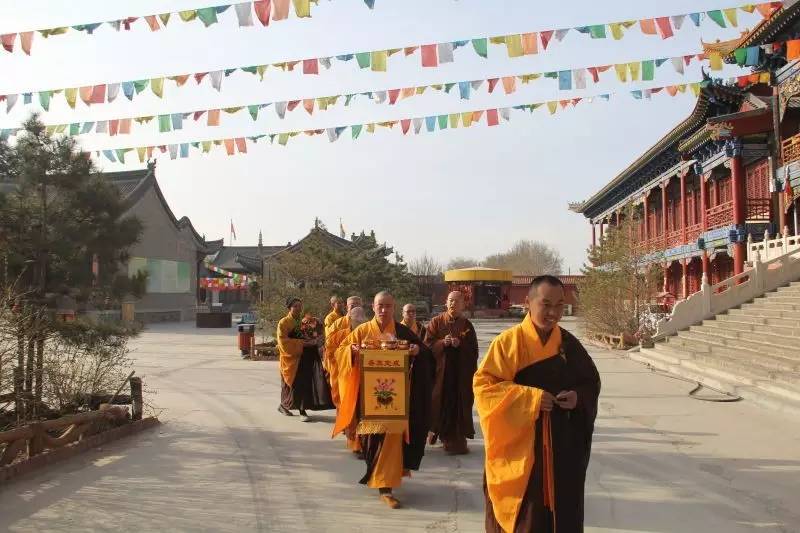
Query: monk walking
(332, 340)
(451, 338)
(296, 358)
(337, 311)
(536, 393)
(387, 455)
(410, 320)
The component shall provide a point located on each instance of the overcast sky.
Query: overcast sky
(465, 192)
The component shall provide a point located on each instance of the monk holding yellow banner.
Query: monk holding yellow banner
(387, 397)
(536, 393)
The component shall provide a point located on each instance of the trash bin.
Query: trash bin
(246, 334)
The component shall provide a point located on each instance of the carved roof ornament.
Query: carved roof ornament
(720, 130)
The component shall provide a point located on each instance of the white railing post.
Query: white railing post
(757, 275)
(705, 290)
(749, 247)
(785, 240)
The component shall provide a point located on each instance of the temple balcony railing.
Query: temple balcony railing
(790, 149)
(693, 232)
(720, 215)
(674, 238)
(758, 209)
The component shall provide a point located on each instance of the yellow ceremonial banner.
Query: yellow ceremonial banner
(385, 391)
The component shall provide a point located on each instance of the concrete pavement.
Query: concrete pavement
(225, 460)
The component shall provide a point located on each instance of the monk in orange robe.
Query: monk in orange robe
(332, 340)
(387, 454)
(452, 339)
(536, 393)
(410, 320)
(337, 311)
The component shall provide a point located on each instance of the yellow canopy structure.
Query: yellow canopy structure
(478, 274)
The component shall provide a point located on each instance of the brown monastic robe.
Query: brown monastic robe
(452, 399)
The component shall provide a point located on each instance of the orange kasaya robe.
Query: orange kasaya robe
(335, 333)
(289, 350)
(388, 469)
(508, 414)
(331, 317)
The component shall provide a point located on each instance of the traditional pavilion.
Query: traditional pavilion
(727, 173)
(486, 290)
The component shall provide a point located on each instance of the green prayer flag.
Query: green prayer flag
(741, 56)
(208, 15)
(448, 86)
(254, 111)
(648, 70)
(598, 31)
(250, 70)
(480, 47)
(442, 122)
(363, 59)
(74, 128)
(140, 85)
(121, 154)
(44, 99)
(716, 16)
(553, 75)
(355, 130)
(164, 123)
(283, 138)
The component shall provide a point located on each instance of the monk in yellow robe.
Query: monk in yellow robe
(410, 320)
(387, 454)
(337, 311)
(452, 339)
(296, 359)
(536, 393)
(332, 340)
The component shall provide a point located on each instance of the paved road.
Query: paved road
(225, 460)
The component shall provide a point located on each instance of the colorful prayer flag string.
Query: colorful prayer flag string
(493, 117)
(431, 55)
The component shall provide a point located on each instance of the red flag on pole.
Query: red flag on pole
(233, 232)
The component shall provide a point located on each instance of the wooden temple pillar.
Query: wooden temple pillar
(683, 214)
(739, 211)
(685, 278)
(594, 236)
(704, 220)
(664, 211)
(646, 216)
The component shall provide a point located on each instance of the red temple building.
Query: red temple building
(727, 174)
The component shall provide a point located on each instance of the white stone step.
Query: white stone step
(762, 303)
(770, 363)
(762, 312)
(759, 320)
(764, 393)
(758, 329)
(711, 336)
(782, 297)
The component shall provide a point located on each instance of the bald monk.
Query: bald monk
(536, 393)
(340, 324)
(388, 457)
(337, 311)
(410, 320)
(355, 317)
(296, 362)
(452, 339)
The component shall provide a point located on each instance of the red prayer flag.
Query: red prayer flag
(262, 8)
(113, 127)
(665, 27)
(546, 36)
(98, 94)
(198, 77)
(310, 66)
(492, 118)
(291, 105)
(393, 94)
(492, 84)
(595, 74)
(26, 39)
(430, 55)
(405, 124)
(241, 145)
(229, 149)
(409, 50)
(152, 21)
(8, 41)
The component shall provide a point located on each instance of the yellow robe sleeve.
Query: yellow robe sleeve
(349, 380)
(508, 414)
(289, 350)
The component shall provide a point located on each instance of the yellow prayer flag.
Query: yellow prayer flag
(476, 116)
(283, 138)
(748, 8)
(71, 95)
(682, 88)
(378, 61)
(514, 45)
(454, 118)
(552, 106)
(206, 146)
(188, 15)
(466, 118)
(730, 14)
(260, 70)
(695, 88)
(527, 78)
(157, 85)
(61, 128)
(498, 40)
(622, 72)
(141, 151)
(628, 24)
(437, 86)
(232, 110)
(143, 120)
(715, 60)
(371, 127)
(322, 103)
(50, 129)
(302, 8)
(635, 67)
(392, 51)
(421, 90)
(616, 30)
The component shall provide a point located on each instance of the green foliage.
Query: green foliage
(60, 215)
(619, 282)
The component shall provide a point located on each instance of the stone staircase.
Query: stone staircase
(752, 351)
